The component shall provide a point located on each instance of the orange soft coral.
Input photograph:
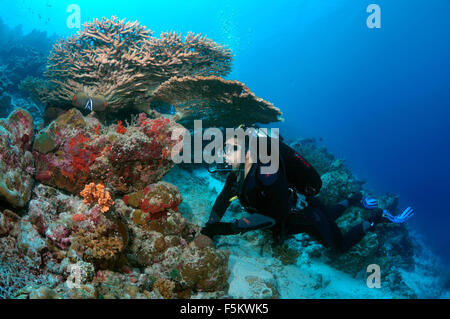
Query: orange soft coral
(120, 128)
(93, 193)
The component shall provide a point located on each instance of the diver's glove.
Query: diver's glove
(220, 228)
(243, 225)
(399, 219)
(369, 203)
(357, 199)
(380, 215)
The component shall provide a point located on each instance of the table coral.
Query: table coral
(17, 271)
(216, 101)
(122, 62)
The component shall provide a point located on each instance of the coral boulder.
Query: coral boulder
(75, 151)
(16, 162)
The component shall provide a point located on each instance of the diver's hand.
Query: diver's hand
(399, 219)
(369, 203)
(219, 228)
(208, 230)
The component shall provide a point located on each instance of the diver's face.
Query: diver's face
(232, 153)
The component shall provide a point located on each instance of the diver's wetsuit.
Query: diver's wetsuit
(321, 225)
(271, 203)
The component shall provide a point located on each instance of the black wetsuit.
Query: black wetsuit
(271, 202)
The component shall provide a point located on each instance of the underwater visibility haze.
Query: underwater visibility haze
(92, 205)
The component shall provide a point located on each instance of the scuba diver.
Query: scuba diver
(284, 202)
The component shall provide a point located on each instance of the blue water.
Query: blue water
(380, 98)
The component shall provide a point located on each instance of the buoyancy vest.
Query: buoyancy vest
(299, 172)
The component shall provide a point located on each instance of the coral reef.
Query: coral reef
(74, 151)
(113, 65)
(11, 102)
(89, 214)
(164, 245)
(122, 62)
(16, 162)
(216, 101)
(85, 253)
(165, 287)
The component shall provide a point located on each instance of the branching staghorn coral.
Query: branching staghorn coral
(120, 63)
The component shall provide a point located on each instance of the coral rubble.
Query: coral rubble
(106, 255)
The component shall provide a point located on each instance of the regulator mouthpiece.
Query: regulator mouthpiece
(219, 167)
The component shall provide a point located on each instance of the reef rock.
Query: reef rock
(167, 248)
(9, 223)
(153, 201)
(16, 162)
(74, 151)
